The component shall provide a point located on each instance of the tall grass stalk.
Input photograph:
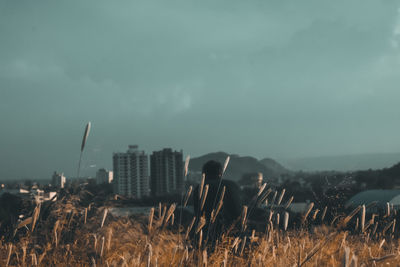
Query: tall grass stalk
(186, 168)
(204, 197)
(220, 203)
(324, 213)
(216, 195)
(149, 255)
(394, 225)
(226, 164)
(84, 139)
(286, 220)
(387, 227)
(243, 245)
(200, 224)
(170, 212)
(244, 218)
(85, 215)
(281, 197)
(189, 228)
(362, 221)
(287, 205)
(34, 259)
(10, 248)
(184, 202)
(187, 196)
(351, 215)
(35, 216)
(151, 215)
(261, 189)
(387, 209)
(310, 206)
(201, 185)
(55, 232)
(314, 217)
(109, 238)
(200, 238)
(205, 261)
(274, 198)
(102, 246)
(104, 217)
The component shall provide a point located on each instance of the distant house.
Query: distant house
(23, 193)
(376, 200)
(40, 196)
(299, 207)
(58, 180)
(104, 176)
(36, 194)
(251, 180)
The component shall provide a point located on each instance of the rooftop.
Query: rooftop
(379, 195)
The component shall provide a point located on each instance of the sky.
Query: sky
(279, 79)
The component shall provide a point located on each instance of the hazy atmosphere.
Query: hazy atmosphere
(279, 79)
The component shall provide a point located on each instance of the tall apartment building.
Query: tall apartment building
(131, 173)
(104, 176)
(166, 172)
(58, 180)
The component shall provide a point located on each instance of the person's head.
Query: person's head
(212, 169)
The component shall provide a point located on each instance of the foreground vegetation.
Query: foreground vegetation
(66, 233)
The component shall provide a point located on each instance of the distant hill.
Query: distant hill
(393, 171)
(388, 178)
(343, 163)
(274, 166)
(239, 165)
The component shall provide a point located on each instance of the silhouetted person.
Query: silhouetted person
(231, 208)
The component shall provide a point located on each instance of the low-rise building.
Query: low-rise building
(104, 176)
(39, 195)
(376, 200)
(58, 180)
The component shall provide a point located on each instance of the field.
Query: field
(68, 234)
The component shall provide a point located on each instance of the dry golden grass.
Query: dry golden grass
(64, 239)
(70, 235)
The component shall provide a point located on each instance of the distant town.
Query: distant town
(140, 179)
(134, 175)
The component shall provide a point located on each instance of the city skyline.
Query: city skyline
(343, 163)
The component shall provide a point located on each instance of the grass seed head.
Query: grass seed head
(281, 197)
(226, 164)
(204, 197)
(286, 220)
(187, 165)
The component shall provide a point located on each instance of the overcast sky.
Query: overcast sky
(278, 79)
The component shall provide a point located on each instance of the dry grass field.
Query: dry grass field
(71, 235)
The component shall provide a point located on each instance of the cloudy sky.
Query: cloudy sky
(278, 79)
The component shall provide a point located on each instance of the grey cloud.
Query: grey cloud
(263, 78)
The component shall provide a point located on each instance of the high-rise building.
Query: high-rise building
(131, 173)
(58, 180)
(104, 176)
(166, 172)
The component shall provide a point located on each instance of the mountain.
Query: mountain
(343, 162)
(274, 166)
(240, 165)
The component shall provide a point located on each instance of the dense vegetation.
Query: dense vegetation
(77, 231)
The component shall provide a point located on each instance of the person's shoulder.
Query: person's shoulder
(229, 183)
(196, 188)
